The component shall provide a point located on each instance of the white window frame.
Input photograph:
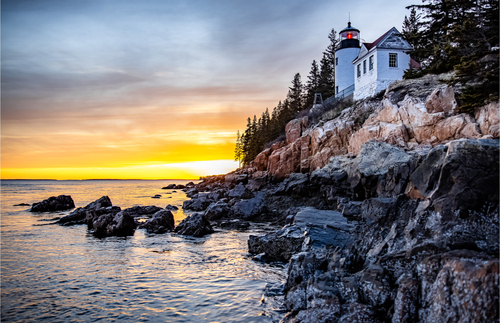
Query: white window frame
(393, 60)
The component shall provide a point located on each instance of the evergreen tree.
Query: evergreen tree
(238, 151)
(461, 35)
(411, 27)
(312, 85)
(295, 95)
(326, 84)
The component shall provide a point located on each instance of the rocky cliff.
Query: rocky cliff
(411, 114)
(389, 212)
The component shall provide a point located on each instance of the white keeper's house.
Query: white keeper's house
(364, 69)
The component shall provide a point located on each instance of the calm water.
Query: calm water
(64, 274)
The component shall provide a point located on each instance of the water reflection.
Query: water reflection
(59, 274)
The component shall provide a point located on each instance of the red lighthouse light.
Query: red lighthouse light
(349, 36)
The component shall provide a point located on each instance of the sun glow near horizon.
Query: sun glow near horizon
(183, 170)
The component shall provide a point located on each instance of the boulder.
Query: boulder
(442, 99)
(53, 203)
(251, 208)
(461, 175)
(488, 119)
(171, 207)
(358, 313)
(162, 221)
(294, 129)
(459, 286)
(406, 302)
(323, 229)
(139, 210)
(240, 191)
(198, 203)
(279, 245)
(217, 210)
(114, 224)
(78, 216)
(195, 225)
(234, 224)
(301, 267)
(374, 209)
(168, 187)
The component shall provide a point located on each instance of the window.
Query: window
(393, 60)
(359, 70)
(371, 63)
(364, 67)
(337, 88)
(336, 61)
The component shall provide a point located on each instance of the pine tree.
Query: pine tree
(461, 35)
(238, 151)
(312, 85)
(295, 95)
(326, 84)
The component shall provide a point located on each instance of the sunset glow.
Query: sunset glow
(157, 89)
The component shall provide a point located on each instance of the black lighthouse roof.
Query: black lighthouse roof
(349, 28)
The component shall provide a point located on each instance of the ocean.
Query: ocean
(64, 274)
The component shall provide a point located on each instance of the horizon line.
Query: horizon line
(101, 179)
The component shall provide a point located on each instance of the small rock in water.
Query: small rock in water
(157, 196)
(60, 203)
(22, 204)
(171, 207)
(196, 225)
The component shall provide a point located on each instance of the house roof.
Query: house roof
(382, 41)
(375, 43)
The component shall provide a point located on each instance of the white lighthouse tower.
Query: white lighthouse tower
(346, 52)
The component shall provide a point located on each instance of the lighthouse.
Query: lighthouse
(346, 52)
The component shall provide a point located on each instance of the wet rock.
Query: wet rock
(234, 224)
(79, 215)
(323, 228)
(139, 210)
(22, 204)
(301, 267)
(251, 208)
(192, 192)
(217, 210)
(171, 207)
(349, 208)
(280, 245)
(199, 203)
(240, 191)
(162, 221)
(295, 184)
(157, 196)
(195, 225)
(53, 203)
(114, 224)
(168, 187)
(296, 298)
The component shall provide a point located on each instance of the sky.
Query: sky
(155, 89)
